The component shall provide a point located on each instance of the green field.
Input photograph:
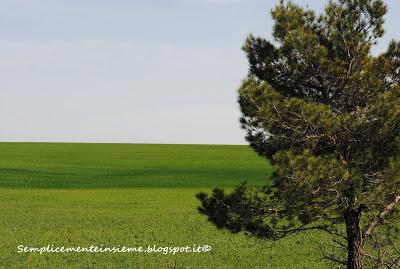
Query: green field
(130, 195)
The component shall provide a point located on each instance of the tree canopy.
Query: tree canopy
(325, 112)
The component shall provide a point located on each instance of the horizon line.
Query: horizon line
(121, 143)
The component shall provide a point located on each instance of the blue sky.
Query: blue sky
(130, 71)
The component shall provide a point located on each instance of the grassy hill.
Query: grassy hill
(130, 195)
(62, 165)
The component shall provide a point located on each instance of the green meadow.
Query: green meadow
(131, 195)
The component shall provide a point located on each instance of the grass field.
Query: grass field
(131, 195)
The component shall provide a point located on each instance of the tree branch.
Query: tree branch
(375, 221)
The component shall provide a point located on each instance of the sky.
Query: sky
(129, 71)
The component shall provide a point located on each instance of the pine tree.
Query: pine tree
(325, 112)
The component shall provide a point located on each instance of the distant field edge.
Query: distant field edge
(122, 143)
(94, 165)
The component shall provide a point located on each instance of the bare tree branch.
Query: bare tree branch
(375, 221)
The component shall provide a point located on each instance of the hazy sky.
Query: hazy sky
(128, 70)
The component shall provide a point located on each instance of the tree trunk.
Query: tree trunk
(354, 239)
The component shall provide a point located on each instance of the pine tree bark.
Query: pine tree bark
(354, 239)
